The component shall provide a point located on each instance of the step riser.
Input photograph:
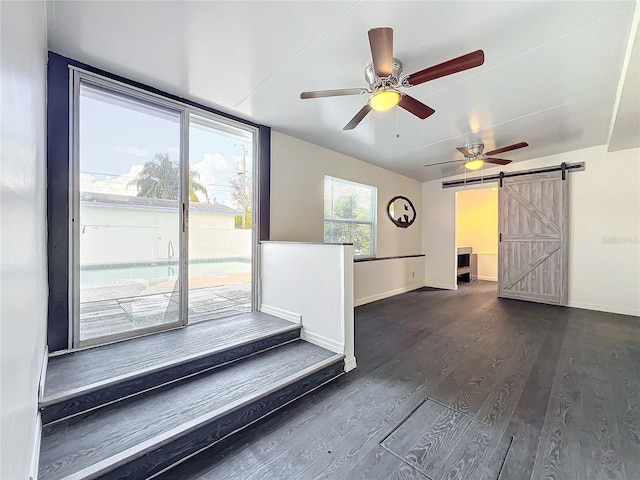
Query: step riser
(181, 447)
(117, 391)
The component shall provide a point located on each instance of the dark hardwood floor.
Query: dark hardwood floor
(563, 383)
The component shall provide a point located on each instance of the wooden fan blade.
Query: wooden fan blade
(465, 62)
(333, 93)
(515, 146)
(497, 161)
(416, 107)
(465, 151)
(358, 118)
(381, 43)
(459, 169)
(442, 163)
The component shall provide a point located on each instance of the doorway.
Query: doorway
(477, 234)
(161, 228)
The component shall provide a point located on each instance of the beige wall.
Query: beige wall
(604, 252)
(477, 227)
(23, 233)
(297, 214)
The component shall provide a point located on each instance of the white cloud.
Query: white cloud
(132, 150)
(213, 170)
(118, 185)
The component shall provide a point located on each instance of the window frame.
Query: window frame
(62, 75)
(373, 214)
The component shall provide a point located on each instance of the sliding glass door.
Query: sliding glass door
(220, 218)
(161, 227)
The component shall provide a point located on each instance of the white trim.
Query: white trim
(322, 341)
(488, 279)
(390, 293)
(35, 454)
(280, 313)
(442, 286)
(605, 308)
(43, 373)
(349, 363)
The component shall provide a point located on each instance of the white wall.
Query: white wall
(111, 234)
(23, 265)
(311, 284)
(604, 250)
(297, 179)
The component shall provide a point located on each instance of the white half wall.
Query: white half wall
(604, 229)
(23, 235)
(297, 212)
(311, 284)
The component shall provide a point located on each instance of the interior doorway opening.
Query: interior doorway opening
(477, 234)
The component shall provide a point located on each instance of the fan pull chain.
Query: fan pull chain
(373, 141)
(397, 122)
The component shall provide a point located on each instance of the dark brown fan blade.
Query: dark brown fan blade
(358, 118)
(381, 43)
(459, 169)
(465, 151)
(416, 107)
(333, 93)
(497, 161)
(515, 146)
(465, 62)
(443, 163)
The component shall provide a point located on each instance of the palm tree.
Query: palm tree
(160, 178)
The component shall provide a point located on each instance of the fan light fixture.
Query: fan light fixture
(474, 164)
(384, 100)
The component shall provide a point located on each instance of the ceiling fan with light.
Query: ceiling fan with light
(475, 157)
(383, 77)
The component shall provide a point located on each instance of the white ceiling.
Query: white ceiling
(551, 74)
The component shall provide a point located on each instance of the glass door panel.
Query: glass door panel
(220, 219)
(128, 226)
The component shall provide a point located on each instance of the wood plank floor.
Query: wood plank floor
(79, 442)
(565, 383)
(72, 371)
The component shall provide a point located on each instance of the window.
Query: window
(350, 215)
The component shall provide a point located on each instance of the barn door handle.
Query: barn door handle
(500, 237)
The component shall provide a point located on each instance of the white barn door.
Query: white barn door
(533, 239)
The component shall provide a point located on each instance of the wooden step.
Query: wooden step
(79, 381)
(147, 433)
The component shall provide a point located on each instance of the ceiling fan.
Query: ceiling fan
(475, 157)
(383, 77)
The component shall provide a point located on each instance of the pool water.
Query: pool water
(123, 275)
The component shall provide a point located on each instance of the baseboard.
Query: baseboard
(488, 279)
(43, 373)
(322, 341)
(35, 454)
(442, 286)
(605, 308)
(280, 313)
(390, 293)
(349, 363)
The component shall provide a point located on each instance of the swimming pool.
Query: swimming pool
(119, 275)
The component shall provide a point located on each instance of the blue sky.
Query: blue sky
(116, 141)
